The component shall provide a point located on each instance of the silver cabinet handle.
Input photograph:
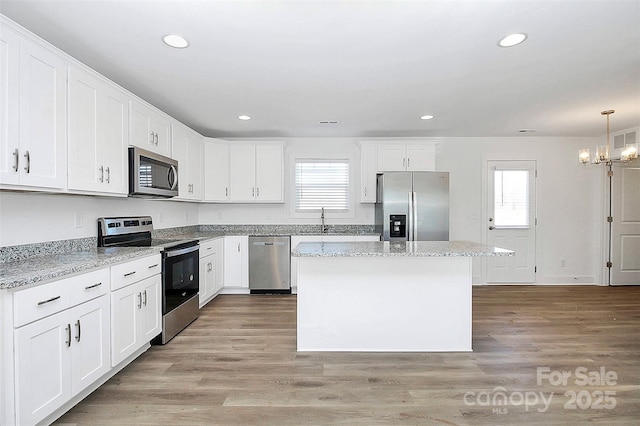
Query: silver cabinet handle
(108, 175)
(156, 139)
(257, 191)
(408, 163)
(68, 330)
(365, 191)
(139, 300)
(238, 247)
(129, 273)
(145, 298)
(253, 192)
(48, 300)
(403, 162)
(209, 248)
(89, 287)
(151, 137)
(209, 267)
(101, 173)
(226, 192)
(16, 165)
(153, 266)
(27, 168)
(78, 330)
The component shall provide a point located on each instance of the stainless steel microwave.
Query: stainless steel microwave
(151, 174)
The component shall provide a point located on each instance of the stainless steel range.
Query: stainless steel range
(180, 280)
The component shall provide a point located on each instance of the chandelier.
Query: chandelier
(603, 152)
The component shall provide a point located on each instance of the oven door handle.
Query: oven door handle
(174, 253)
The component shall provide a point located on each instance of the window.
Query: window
(511, 197)
(322, 183)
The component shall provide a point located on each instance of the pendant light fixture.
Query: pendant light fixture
(603, 152)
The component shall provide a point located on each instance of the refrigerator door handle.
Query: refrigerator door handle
(410, 219)
(415, 216)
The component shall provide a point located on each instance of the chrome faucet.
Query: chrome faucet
(324, 227)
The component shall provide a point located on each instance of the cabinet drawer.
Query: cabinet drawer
(208, 248)
(90, 286)
(39, 302)
(128, 273)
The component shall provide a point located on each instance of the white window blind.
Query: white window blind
(322, 183)
(511, 197)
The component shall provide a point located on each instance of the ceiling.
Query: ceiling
(375, 67)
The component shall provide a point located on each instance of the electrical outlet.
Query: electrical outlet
(563, 263)
(79, 220)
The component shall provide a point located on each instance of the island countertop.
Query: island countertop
(398, 249)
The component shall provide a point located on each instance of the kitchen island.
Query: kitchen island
(386, 297)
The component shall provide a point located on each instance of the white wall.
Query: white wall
(33, 217)
(569, 205)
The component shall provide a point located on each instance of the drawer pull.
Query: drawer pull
(49, 300)
(129, 273)
(92, 286)
(209, 248)
(153, 266)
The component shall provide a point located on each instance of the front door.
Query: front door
(511, 217)
(625, 228)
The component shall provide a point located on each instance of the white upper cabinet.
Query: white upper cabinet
(98, 135)
(256, 173)
(395, 157)
(150, 129)
(216, 170)
(368, 170)
(34, 104)
(187, 149)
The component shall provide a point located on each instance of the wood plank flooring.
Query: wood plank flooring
(238, 365)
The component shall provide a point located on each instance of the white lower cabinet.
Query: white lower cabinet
(236, 261)
(211, 269)
(59, 355)
(135, 317)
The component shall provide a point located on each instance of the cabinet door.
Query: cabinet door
(187, 149)
(269, 173)
(392, 158)
(216, 171)
(125, 304)
(113, 138)
(242, 176)
(43, 367)
(90, 344)
(421, 157)
(149, 129)
(207, 281)
(84, 170)
(43, 113)
(368, 170)
(236, 262)
(9, 112)
(151, 311)
(218, 265)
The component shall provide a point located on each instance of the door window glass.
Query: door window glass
(511, 198)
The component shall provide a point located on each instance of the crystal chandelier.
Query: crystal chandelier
(603, 152)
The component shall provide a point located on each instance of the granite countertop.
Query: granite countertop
(398, 249)
(44, 268)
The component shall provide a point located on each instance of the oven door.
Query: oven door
(180, 275)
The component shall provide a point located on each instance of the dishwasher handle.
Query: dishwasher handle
(268, 243)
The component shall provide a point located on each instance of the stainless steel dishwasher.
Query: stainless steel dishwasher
(269, 264)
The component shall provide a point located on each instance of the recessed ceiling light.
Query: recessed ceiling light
(244, 117)
(174, 40)
(512, 40)
(426, 117)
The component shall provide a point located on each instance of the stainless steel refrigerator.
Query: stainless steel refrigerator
(413, 206)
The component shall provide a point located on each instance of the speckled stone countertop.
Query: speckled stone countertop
(398, 249)
(45, 268)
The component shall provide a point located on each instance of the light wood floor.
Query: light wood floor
(238, 365)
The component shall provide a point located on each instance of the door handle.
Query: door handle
(16, 165)
(27, 168)
(491, 228)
